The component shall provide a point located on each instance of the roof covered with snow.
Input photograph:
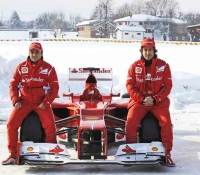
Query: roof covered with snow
(196, 25)
(138, 17)
(83, 23)
(144, 17)
(174, 20)
(130, 28)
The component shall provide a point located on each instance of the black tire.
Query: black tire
(126, 95)
(22, 162)
(31, 129)
(149, 129)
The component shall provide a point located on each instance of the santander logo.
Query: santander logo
(74, 71)
(80, 70)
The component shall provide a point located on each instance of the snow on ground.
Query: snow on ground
(18, 35)
(183, 60)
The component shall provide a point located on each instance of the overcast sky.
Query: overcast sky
(29, 9)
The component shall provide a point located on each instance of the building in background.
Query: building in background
(85, 30)
(139, 26)
(128, 33)
(155, 27)
(194, 32)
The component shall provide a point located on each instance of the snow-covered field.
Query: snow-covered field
(185, 95)
(19, 35)
(183, 60)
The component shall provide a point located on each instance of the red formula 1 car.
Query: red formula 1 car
(90, 127)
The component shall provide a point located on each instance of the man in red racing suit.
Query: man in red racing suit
(149, 82)
(34, 86)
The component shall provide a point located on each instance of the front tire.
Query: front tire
(31, 129)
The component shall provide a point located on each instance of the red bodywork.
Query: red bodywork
(90, 115)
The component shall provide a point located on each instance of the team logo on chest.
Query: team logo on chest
(138, 70)
(24, 70)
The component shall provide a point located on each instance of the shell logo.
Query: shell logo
(154, 149)
(138, 70)
(30, 149)
(24, 70)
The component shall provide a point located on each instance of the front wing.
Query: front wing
(57, 154)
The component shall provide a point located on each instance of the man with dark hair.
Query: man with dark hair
(33, 87)
(149, 82)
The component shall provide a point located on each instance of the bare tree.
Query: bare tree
(161, 7)
(152, 7)
(103, 14)
(123, 11)
(180, 15)
(45, 21)
(137, 6)
(73, 20)
(66, 26)
(166, 26)
(192, 18)
(154, 26)
(59, 20)
(172, 8)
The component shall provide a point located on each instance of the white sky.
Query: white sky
(30, 9)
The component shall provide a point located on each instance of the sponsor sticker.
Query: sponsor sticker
(138, 70)
(127, 149)
(80, 70)
(161, 69)
(43, 71)
(24, 70)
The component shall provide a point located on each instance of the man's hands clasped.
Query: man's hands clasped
(148, 101)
